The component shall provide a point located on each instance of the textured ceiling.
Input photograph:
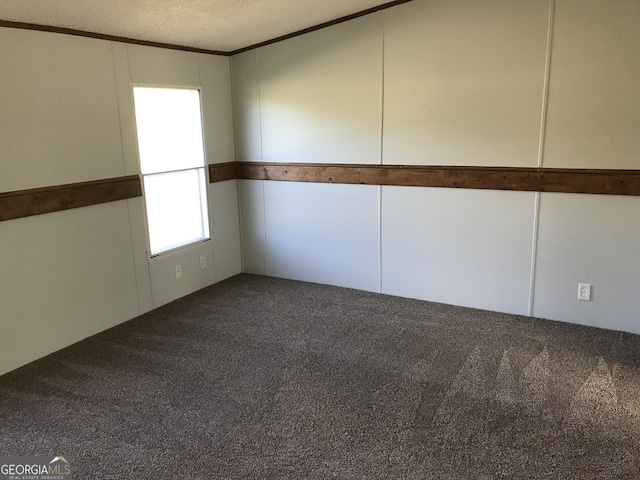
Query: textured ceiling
(224, 25)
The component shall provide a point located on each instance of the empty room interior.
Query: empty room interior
(321, 239)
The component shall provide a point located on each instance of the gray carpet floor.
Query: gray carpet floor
(258, 377)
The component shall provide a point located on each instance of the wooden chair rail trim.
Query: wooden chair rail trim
(560, 180)
(37, 201)
(170, 46)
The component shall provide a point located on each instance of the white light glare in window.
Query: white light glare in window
(169, 125)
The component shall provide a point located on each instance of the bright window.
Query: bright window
(172, 163)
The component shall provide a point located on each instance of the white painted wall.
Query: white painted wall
(65, 276)
(246, 108)
(323, 89)
(462, 247)
(589, 239)
(252, 226)
(594, 93)
(461, 83)
(311, 235)
(314, 99)
(58, 115)
(224, 212)
(67, 116)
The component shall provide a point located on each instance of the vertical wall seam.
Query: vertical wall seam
(381, 146)
(198, 64)
(209, 185)
(264, 202)
(380, 237)
(115, 81)
(233, 110)
(146, 233)
(239, 206)
(541, 148)
(382, 40)
(545, 84)
(235, 159)
(124, 171)
(534, 251)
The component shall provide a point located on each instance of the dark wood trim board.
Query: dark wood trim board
(607, 182)
(103, 36)
(331, 23)
(219, 172)
(36, 201)
(136, 41)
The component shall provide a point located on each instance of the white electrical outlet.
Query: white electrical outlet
(584, 291)
(178, 271)
(203, 263)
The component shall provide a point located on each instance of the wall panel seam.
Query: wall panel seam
(381, 145)
(534, 251)
(545, 85)
(264, 200)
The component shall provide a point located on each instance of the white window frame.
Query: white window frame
(152, 256)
